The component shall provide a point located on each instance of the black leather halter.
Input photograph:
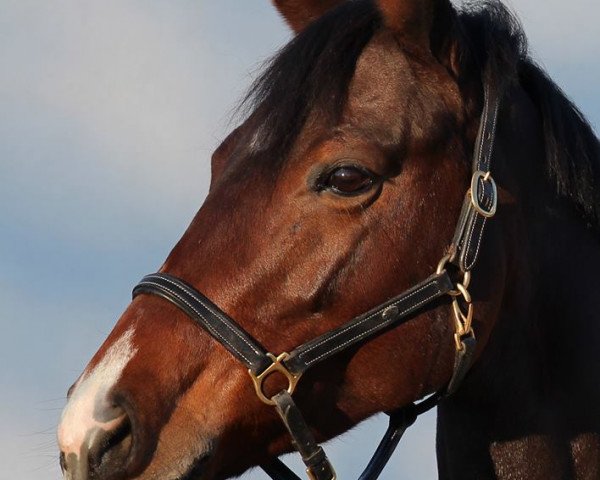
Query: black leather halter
(479, 205)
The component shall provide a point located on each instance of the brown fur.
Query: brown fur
(299, 13)
(412, 20)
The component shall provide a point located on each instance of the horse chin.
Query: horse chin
(198, 469)
(188, 465)
(203, 469)
(182, 469)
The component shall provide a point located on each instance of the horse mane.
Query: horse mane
(572, 147)
(309, 74)
(305, 75)
(496, 37)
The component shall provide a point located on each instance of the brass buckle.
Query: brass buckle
(276, 366)
(486, 177)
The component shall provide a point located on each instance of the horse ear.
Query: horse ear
(299, 13)
(414, 20)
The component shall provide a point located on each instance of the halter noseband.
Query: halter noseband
(479, 205)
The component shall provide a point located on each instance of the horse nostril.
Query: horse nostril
(63, 462)
(103, 448)
(108, 450)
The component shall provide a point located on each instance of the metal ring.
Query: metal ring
(276, 366)
(465, 281)
(458, 340)
(464, 292)
(486, 177)
(463, 321)
(443, 262)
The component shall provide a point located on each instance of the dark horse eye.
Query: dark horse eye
(348, 180)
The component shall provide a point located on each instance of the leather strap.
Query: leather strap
(398, 424)
(399, 421)
(392, 313)
(317, 464)
(471, 224)
(462, 363)
(225, 330)
(484, 144)
(278, 470)
(216, 322)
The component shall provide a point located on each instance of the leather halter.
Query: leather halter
(479, 205)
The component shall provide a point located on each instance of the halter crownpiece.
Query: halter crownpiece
(480, 204)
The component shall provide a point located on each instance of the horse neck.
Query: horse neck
(530, 407)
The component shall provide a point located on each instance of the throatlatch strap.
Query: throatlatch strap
(391, 313)
(216, 322)
(398, 424)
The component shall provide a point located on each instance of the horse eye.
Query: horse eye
(348, 180)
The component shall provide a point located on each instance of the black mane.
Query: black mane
(310, 73)
(496, 36)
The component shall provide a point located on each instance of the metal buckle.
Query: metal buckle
(276, 366)
(475, 201)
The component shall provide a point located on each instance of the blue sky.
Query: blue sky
(110, 110)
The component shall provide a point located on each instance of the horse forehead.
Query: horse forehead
(400, 96)
(383, 77)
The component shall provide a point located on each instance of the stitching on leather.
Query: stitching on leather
(349, 327)
(376, 327)
(493, 139)
(483, 129)
(480, 190)
(490, 149)
(469, 264)
(206, 324)
(216, 314)
(486, 200)
(472, 264)
(482, 197)
(354, 325)
(469, 239)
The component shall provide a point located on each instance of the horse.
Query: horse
(341, 189)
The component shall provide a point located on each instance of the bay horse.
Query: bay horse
(341, 190)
